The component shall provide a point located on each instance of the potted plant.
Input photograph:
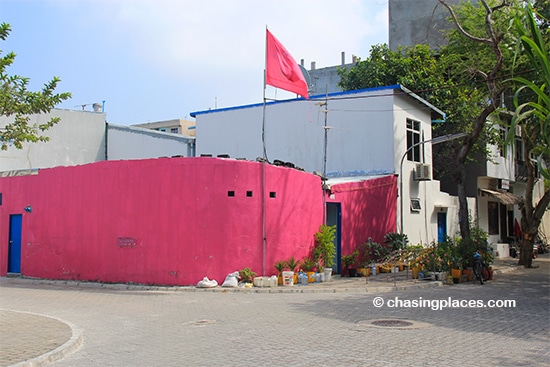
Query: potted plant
(413, 258)
(456, 267)
(246, 275)
(308, 265)
(468, 246)
(396, 241)
(348, 261)
(325, 250)
(280, 266)
(378, 254)
(365, 258)
(292, 264)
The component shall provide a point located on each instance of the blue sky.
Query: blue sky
(154, 60)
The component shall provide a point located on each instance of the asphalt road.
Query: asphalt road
(166, 328)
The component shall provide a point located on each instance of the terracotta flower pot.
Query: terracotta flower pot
(456, 274)
(468, 273)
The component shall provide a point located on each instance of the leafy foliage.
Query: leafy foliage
(534, 113)
(396, 241)
(324, 249)
(308, 264)
(466, 79)
(292, 263)
(476, 241)
(246, 275)
(350, 259)
(372, 252)
(17, 101)
(532, 102)
(435, 258)
(280, 266)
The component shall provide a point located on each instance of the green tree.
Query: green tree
(532, 101)
(466, 79)
(18, 102)
(480, 45)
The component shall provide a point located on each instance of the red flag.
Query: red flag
(281, 69)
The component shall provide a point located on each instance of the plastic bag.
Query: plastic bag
(207, 283)
(231, 280)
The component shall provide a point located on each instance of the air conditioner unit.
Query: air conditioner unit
(422, 172)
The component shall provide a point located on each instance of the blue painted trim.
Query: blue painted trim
(315, 97)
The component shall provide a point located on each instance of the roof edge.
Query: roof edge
(313, 97)
(324, 96)
(422, 100)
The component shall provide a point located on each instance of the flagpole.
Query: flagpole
(264, 107)
(264, 161)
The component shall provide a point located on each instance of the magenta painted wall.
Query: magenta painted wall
(369, 209)
(171, 221)
(176, 213)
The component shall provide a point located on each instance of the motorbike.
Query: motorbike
(515, 250)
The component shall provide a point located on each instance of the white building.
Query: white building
(367, 134)
(175, 126)
(82, 137)
(129, 142)
(78, 138)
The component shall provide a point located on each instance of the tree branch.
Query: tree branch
(502, 5)
(462, 30)
(541, 206)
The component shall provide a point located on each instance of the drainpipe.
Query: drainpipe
(106, 141)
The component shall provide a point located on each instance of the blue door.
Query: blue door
(334, 218)
(441, 226)
(14, 250)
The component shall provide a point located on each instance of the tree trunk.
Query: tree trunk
(526, 251)
(494, 93)
(463, 215)
(531, 215)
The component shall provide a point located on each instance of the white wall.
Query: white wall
(125, 142)
(360, 138)
(420, 227)
(77, 139)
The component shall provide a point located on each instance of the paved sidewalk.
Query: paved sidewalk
(29, 339)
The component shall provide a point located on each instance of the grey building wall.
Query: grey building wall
(325, 80)
(413, 22)
(130, 142)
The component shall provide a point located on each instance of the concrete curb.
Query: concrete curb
(508, 269)
(58, 353)
(333, 286)
(337, 285)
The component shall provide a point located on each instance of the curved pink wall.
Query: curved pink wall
(160, 221)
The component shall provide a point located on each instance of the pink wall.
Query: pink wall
(369, 209)
(171, 221)
(181, 223)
